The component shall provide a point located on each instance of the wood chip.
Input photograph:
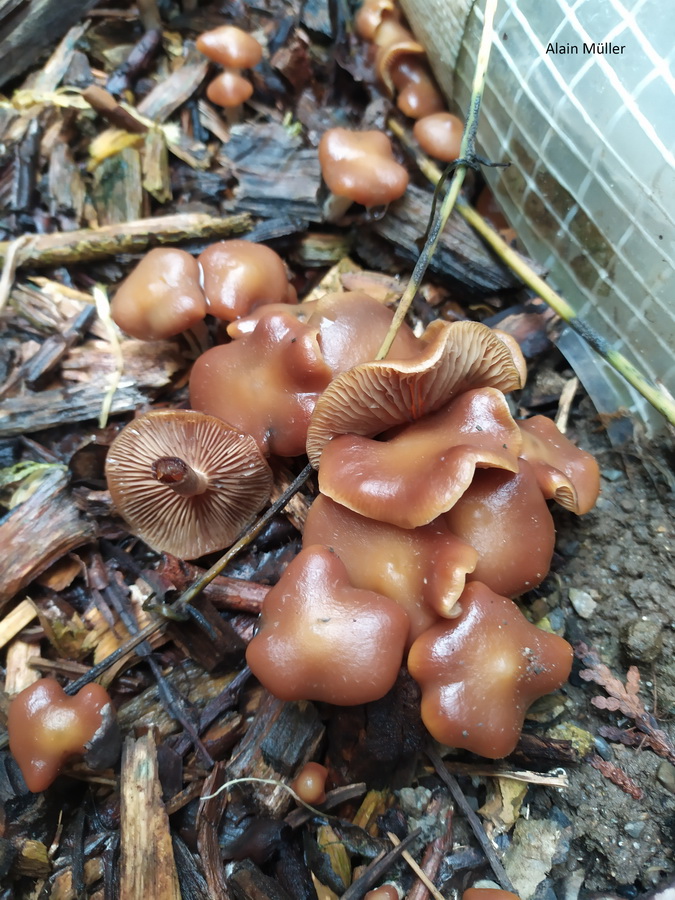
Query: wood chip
(147, 866)
(39, 531)
(15, 620)
(19, 674)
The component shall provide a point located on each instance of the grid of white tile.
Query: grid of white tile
(591, 137)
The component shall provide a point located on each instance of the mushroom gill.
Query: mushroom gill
(185, 482)
(376, 396)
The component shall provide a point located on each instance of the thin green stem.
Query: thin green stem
(466, 152)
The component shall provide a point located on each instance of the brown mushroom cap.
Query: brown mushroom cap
(370, 15)
(422, 569)
(399, 62)
(185, 482)
(47, 727)
(351, 327)
(375, 396)
(440, 135)
(229, 89)
(384, 892)
(161, 297)
(230, 46)
(265, 383)
(403, 68)
(565, 473)
(420, 98)
(481, 671)
(423, 470)
(360, 165)
(507, 520)
(488, 894)
(240, 275)
(310, 783)
(320, 638)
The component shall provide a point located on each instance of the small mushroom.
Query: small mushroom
(480, 672)
(240, 276)
(185, 482)
(423, 569)
(265, 383)
(46, 728)
(375, 396)
(565, 473)
(161, 297)
(230, 90)
(320, 638)
(506, 519)
(310, 783)
(440, 135)
(384, 892)
(422, 471)
(234, 49)
(359, 167)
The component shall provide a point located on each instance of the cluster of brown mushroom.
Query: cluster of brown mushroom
(432, 513)
(234, 50)
(401, 66)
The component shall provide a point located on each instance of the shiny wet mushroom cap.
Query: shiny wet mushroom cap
(359, 167)
(161, 297)
(47, 728)
(230, 46)
(185, 482)
(375, 396)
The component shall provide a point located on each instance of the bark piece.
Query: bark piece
(147, 865)
(281, 738)
(28, 28)
(38, 532)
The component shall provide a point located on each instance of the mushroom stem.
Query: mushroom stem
(179, 476)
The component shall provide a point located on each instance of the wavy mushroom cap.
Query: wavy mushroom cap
(360, 166)
(505, 517)
(440, 135)
(565, 473)
(480, 672)
(351, 326)
(185, 482)
(47, 728)
(321, 638)
(422, 471)
(230, 46)
(423, 569)
(229, 89)
(373, 397)
(161, 297)
(371, 14)
(265, 383)
(240, 276)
